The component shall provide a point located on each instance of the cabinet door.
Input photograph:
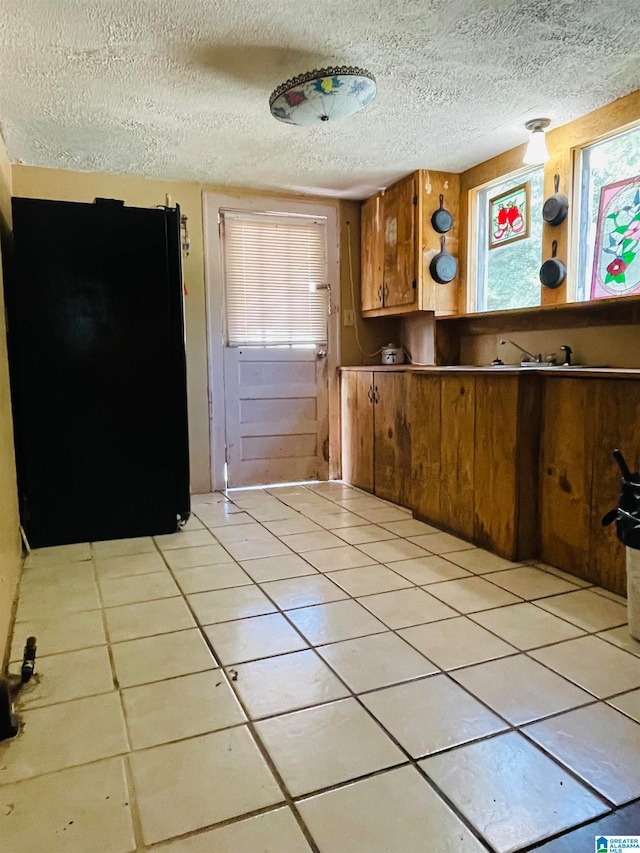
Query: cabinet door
(371, 254)
(357, 428)
(617, 426)
(424, 422)
(398, 226)
(496, 436)
(566, 479)
(392, 437)
(457, 421)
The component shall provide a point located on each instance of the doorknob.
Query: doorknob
(321, 353)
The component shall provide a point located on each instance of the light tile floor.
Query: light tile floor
(309, 668)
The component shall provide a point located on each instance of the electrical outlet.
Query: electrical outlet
(347, 317)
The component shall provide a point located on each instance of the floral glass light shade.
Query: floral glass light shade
(536, 152)
(327, 95)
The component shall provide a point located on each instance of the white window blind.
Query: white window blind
(274, 265)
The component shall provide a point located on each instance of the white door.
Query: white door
(277, 300)
(277, 422)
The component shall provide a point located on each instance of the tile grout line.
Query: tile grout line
(512, 727)
(353, 598)
(410, 760)
(134, 811)
(252, 730)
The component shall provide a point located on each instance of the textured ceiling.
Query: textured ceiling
(179, 89)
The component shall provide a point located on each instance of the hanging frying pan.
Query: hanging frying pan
(441, 219)
(443, 266)
(553, 271)
(556, 206)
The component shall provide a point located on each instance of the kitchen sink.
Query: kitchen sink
(547, 364)
(537, 364)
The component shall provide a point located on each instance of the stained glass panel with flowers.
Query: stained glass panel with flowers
(611, 161)
(616, 259)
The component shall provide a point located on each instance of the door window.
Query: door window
(275, 269)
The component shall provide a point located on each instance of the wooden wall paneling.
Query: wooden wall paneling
(496, 439)
(447, 343)
(559, 164)
(466, 255)
(398, 227)
(561, 142)
(605, 120)
(424, 422)
(566, 474)
(617, 426)
(371, 254)
(441, 298)
(457, 419)
(392, 438)
(490, 170)
(357, 428)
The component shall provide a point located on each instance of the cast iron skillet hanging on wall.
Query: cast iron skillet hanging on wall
(555, 208)
(441, 219)
(553, 271)
(443, 266)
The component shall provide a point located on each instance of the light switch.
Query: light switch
(347, 317)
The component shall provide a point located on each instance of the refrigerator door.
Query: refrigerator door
(97, 371)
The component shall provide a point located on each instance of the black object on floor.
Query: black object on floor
(28, 660)
(8, 722)
(94, 296)
(627, 514)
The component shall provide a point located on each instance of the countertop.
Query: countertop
(505, 370)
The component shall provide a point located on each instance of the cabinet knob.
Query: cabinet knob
(370, 394)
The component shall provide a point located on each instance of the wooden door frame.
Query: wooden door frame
(212, 203)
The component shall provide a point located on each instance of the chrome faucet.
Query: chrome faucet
(530, 357)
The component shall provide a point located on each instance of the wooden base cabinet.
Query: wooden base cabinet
(424, 421)
(507, 441)
(474, 458)
(357, 428)
(391, 438)
(376, 443)
(519, 465)
(584, 421)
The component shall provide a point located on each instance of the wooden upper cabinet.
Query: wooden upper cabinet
(371, 242)
(399, 205)
(399, 242)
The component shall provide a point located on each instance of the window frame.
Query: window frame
(478, 225)
(577, 248)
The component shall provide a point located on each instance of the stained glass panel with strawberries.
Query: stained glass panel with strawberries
(509, 216)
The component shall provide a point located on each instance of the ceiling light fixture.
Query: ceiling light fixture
(536, 152)
(327, 95)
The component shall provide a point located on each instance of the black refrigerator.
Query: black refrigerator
(94, 298)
